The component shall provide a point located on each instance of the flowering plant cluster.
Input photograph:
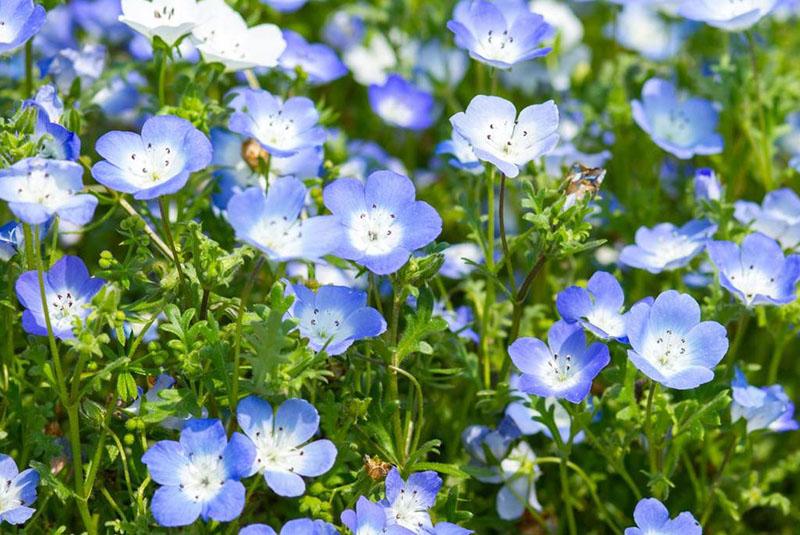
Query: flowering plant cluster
(308, 267)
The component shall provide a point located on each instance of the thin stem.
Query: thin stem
(71, 408)
(777, 355)
(29, 68)
(149, 231)
(237, 341)
(648, 428)
(766, 153)
(164, 207)
(394, 388)
(724, 464)
(489, 297)
(503, 239)
(162, 75)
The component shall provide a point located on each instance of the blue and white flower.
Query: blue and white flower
(68, 289)
(37, 189)
(640, 27)
(400, 103)
(669, 343)
(778, 216)
(707, 186)
(157, 162)
(756, 272)
(11, 240)
(728, 15)
(382, 221)
(319, 62)
(684, 127)
(767, 407)
(20, 19)
(653, 518)
(369, 518)
(498, 136)
(564, 368)
(285, 6)
(282, 127)
(281, 440)
(334, 317)
(462, 155)
(272, 223)
(666, 247)
(598, 307)
(17, 491)
(199, 475)
(460, 260)
(299, 526)
(502, 33)
(69, 64)
(408, 502)
(518, 471)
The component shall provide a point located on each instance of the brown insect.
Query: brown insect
(584, 181)
(376, 468)
(252, 152)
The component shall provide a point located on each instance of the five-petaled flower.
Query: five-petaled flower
(382, 221)
(408, 502)
(501, 33)
(68, 289)
(199, 475)
(157, 162)
(767, 407)
(400, 103)
(652, 517)
(19, 21)
(272, 223)
(756, 272)
(728, 15)
(778, 216)
(37, 189)
(334, 317)
(598, 307)
(169, 20)
(500, 137)
(17, 491)
(670, 344)
(299, 526)
(564, 368)
(666, 247)
(281, 440)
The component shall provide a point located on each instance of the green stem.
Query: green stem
(164, 208)
(777, 355)
(766, 150)
(237, 341)
(723, 465)
(503, 239)
(162, 75)
(394, 388)
(648, 428)
(29, 68)
(71, 408)
(489, 297)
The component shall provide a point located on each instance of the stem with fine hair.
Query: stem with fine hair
(70, 405)
(164, 208)
(489, 297)
(648, 428)
(503, 238)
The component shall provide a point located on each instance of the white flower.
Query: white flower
(168, 19)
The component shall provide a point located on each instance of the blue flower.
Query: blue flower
(343, 29)
(121, 96)
(382, 222)
(319, 62)
(640, 27)
(460, 260)
(157, 162)
(272, 223)
(283, 453)
(518, 471)
(100, 19)
(300, 526)
(790, 141)
(681, 126)
(37, 189)
(448, 528)
(778, 216)
(596, 307)
(501, 33)
(68, 64)
(669, 343)
(498, 136)
(408, 503)
(767, 407)
(439, 66)
(527, 419)
(459, 321)
(235, 163)
(487, 447)
(707, 186)
(17, 491)
(756, 272)
(400, 103)
(334, 317)
(463, 157)
(168, 20)
(57, 142)
(366, 157)
(728, 16)
(652, 517)
(666, 247)
(68, 290)
(563, 369)
(285, 6)
(282, 127)
(21, 20)
(370, 518)
(11, 240)
(199, 474)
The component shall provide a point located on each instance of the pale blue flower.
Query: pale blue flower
(21, 19)
(778, 216)
(400, 103)
(767, 407)
(17, 491)
(666, 247)
(728, 15)
(653, 518)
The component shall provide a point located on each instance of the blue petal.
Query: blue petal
(171, 507)
(296, 420)
(227, 504)
(164, 461)
(285, 483)
(650, 514)
(254, 415)
(203, 437)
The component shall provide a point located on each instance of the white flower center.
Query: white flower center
(9, 495)
(395, 111)
(40, 187)
(202, 479)
(668, 350)
(324, 325)
(561, 367)
(751, 282)
(498, 45)
(609, 321)
(279, 234)
(676, 127)
(673, 247)
(408, 510)
(273, 452)
(375, 231)
(155, 164)
(276, 130)
(64, 306)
